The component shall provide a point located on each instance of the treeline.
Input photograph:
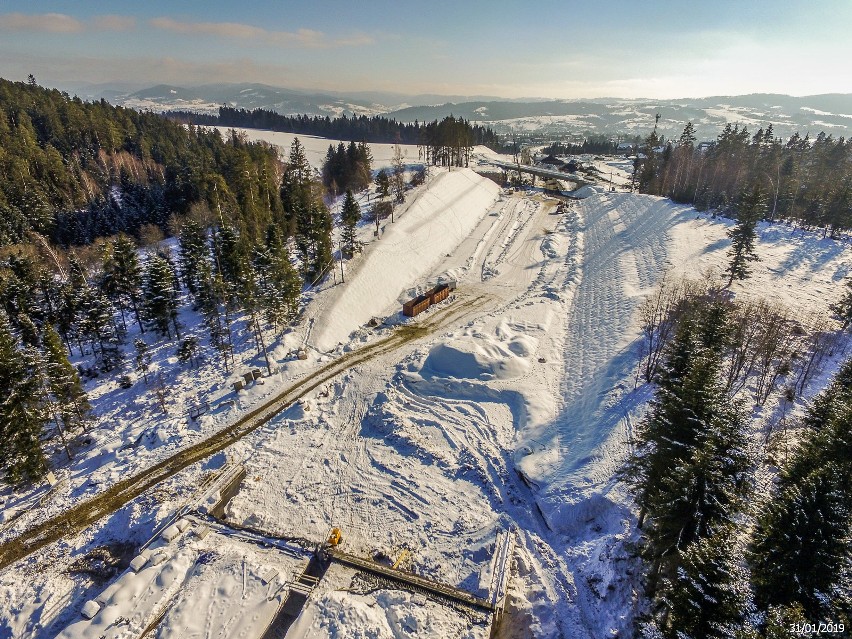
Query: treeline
(720, 561)
(449, 142)
(347, 167)
(358, 128)
(74, 171)
(804, 181)
(596, 143)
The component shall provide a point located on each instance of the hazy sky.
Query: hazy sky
(560, 49)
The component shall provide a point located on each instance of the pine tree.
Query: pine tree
(751, 208)
(193, 251)
(842, 309)
(161, 302)
(706, 599)
(97, 324)
(690, 468)
(383, 183)
(279, 283)
(64, 385)
(143, 358)
(127, 274)
(23, 414)
(188, 351)
(801, 552)
(350, 216)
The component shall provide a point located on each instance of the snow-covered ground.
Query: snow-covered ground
(317, 148)
(509, 410)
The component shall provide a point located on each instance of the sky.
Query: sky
(511, 49)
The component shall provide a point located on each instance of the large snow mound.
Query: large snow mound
(383, 614)
(439, 219)
(587, 191)
(503, 354)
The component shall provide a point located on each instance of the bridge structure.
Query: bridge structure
(537, 171)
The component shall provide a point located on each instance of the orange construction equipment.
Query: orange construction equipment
(335, 537)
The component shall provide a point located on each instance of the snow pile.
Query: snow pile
(385, 614)
(441, 217)
(503, 354)
(587, 191)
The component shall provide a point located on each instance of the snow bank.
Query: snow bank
(385, 614)
(587, 191)
(435, 223)
(503, 354)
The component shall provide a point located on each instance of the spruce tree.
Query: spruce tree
(127, 274)
(751, 208)
(161, 302)
(142, 358)
(108, 280)
(193, 251)
(23, 413)
(97, 325)
(320, 237)
(228, 254)
(690, 468)
(188, 351)
(211, 295)
(350, 216)
(64, 385)
(383, 183)
(801, 552)
(279, 283)
(706, 598)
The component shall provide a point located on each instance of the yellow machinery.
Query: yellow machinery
(404, 556)
(335, 537)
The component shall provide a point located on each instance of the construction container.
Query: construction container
(416, 306)
(439, 294)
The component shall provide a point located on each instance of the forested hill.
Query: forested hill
(356, 128)
(74, 170)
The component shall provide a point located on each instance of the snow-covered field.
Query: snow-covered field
(509, 410)
(316, 148)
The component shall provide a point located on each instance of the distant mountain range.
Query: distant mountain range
(831, 113)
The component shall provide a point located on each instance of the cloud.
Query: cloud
(61, 23)
(65, 70)
(302, 38)
(114, 23)
(50, 22)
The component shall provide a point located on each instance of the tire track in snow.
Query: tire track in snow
(620, 233)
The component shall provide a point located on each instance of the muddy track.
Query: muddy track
(86, 513)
